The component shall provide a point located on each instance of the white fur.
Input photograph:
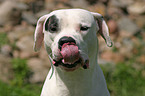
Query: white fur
(81, 82)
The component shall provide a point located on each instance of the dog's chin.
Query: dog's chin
(68, 67)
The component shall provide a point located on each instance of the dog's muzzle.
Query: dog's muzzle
(70, 55)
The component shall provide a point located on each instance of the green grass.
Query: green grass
(3, 39)
(20, 85)
(21, 72)
(124, 79)
(27, 90)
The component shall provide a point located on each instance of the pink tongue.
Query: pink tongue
(70, 53)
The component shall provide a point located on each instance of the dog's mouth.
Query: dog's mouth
(60, 63)
(70, 57)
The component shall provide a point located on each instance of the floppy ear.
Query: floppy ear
(103, 28)
(38, 38)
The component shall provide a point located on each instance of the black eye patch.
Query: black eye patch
(51, 24)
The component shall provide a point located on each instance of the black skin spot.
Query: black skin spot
(85, 66)
(51, 24)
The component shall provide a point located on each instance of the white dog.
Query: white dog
(70, 39)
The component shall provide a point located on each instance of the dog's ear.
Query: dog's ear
(103, 28)
(38, 36)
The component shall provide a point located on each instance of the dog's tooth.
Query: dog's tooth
(55, 63)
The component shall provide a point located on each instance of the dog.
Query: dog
(71, 42)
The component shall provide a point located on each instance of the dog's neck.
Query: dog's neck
(80, 79)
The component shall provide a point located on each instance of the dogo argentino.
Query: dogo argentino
(71, 42)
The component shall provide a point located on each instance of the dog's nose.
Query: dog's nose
(65, 39)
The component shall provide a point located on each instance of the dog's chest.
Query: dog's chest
(73, 89)
(58, 86)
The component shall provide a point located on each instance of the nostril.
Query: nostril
(65, 39)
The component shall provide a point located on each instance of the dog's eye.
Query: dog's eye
(53, 27)
(84, 28)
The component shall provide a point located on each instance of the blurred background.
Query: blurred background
(23, 71)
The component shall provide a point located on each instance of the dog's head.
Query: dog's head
(70, 36)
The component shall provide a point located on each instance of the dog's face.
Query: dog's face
(70, 36)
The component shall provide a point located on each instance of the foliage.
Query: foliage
(124, 79)
(3, 39)
(21, 72)
(27, 90)
(20, 85)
